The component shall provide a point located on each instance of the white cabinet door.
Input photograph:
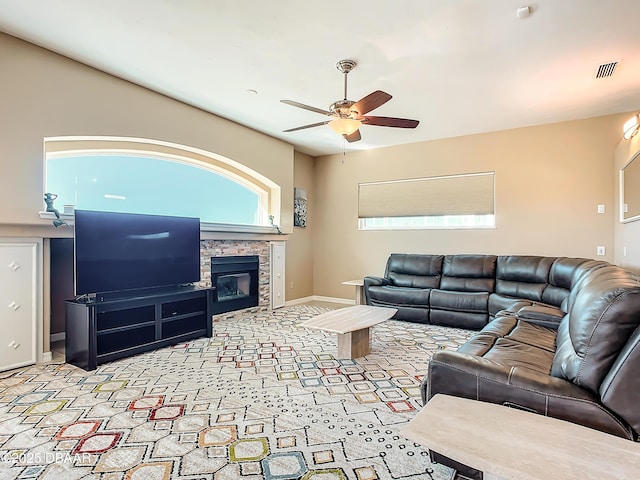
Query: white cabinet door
(277, 274)
(18, 304)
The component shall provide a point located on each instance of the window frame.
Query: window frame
(267, 190)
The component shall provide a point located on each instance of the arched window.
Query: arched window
(153, 177)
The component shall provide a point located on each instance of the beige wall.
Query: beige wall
(299, 273)
(549, 181)
(626, 234)
(44, 94)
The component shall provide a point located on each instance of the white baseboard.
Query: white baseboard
(345, 301)
(57, 337)
(297, 301)
(47, 356)
(319, 298)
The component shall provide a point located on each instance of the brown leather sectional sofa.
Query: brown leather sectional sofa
(557, 336)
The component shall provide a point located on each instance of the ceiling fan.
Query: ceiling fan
(348, 115)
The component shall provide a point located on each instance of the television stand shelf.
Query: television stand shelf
(99, 332)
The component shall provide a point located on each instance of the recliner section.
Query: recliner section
(469, 290)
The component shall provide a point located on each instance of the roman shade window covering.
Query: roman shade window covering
(468, 194)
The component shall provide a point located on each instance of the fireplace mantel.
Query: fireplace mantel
(207, 230)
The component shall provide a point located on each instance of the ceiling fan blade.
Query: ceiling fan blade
(371, 102)
(307, 126)
(354, 137)
(306, 107)
(390, 122)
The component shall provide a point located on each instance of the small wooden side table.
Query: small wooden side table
(359, 284)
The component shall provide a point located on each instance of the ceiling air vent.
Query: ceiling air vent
(606, 70)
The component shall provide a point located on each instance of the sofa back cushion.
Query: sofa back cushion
(561, 277)
(582, 275)
(523, 276)
(414, 270)
(469, 273)
(604, 313)
(620, 390)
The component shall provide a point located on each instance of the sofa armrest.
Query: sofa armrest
(377, 281)
(477, 378)
(476, 367)
(545, 315)
(370, 281)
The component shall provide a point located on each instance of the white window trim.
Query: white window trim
(449, 224)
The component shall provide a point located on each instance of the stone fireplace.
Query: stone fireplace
(258, 250)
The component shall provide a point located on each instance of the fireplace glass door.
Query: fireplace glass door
(233, 286)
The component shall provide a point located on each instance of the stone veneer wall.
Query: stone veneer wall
(217, 248)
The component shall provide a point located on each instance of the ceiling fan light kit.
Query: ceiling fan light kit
(344, 126)
(348, 116)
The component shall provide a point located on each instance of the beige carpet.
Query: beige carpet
(262, 399)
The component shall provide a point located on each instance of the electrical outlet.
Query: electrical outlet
(600, 208)
(600, 251)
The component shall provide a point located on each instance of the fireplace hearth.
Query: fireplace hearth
(235, 282)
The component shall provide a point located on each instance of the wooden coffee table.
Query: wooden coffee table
(352, 326)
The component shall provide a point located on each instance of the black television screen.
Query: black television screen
(125, 251)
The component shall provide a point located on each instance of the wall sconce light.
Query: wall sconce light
(631, 126)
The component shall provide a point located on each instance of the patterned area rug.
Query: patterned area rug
(262, 399)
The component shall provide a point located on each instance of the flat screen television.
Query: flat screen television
(127, 251)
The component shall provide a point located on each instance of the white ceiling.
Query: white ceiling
(458, 66)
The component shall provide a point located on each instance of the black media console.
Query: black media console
(102, 331)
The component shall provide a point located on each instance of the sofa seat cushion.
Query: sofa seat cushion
(507, 354)
(473, 302)
(401, 296)
(459, 309)
(513, 328)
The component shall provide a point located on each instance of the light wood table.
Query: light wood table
(506, 443)
(352, 326)
(359, 284)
